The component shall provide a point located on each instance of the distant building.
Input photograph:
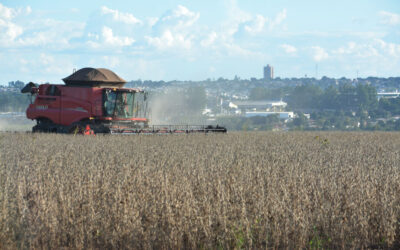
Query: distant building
(271, 106)
(281, 115)
(268, 72)
(388, 94)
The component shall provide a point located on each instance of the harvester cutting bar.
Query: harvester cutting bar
(169, 129)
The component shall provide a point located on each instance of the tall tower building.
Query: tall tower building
(268, 72)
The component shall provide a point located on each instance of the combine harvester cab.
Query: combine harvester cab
(95, 98)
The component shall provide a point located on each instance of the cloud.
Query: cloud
(373, 57)
(179, 37)
(170, 40)
(20, 29)
(349, 49)
(389, 18)
(390, 49)
(319, 54)
(280, 17)
(152, 21)
(256, 25)
(184, 16)
(175, 29)
(9, 30)
(120, 16)
(112, 40)
(232, 49)
(10, 13)
(355, 50)
(289, 49)
(235, 14)
(54, 34)
(180, 19)
(108, 28)
(376, 48)
(40, 66)
(210, 40)
(237, 19)
(111, 61)
(28, 10)
(6, 13)
(46, 59)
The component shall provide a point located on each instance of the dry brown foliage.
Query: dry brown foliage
(239, 190)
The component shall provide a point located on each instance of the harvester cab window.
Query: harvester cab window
(53, 91)
(109, 102)
(118, 104)
(124, 105)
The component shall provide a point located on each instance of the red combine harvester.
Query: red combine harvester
(95, 99)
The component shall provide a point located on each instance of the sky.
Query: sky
(44, 41)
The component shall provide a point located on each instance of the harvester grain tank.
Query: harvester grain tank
(95, 98)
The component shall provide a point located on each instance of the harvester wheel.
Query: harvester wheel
(43, 125)
(35, 129)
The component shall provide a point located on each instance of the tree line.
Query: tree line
(336, 107)
(313, 97)
(13, 102)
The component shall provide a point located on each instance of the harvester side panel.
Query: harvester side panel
(74, 106)
(45, 107)
(66, 106)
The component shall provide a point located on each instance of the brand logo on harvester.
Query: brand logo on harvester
(42, 107)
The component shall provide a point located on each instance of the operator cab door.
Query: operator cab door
(53, 100)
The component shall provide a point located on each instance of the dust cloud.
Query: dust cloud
(13, 121)
(174, 106)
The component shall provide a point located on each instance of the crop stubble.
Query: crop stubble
(240, 190)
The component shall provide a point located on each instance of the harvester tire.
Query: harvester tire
(35, 129)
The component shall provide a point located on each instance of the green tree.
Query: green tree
(260, 93)
(305, 96)
(391, 105)
(329, 99)
(300, 122)
(366, 97)
(397, 125)
(13, 102)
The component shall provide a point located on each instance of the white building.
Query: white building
(388, 94)
(275, 106)
(282, 115)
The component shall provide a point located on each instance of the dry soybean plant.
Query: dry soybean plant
(239, 190)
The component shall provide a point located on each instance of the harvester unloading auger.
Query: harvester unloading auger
(96, 98)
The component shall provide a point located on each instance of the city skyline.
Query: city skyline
(188, 40)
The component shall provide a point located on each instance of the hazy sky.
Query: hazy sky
(194, 40)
